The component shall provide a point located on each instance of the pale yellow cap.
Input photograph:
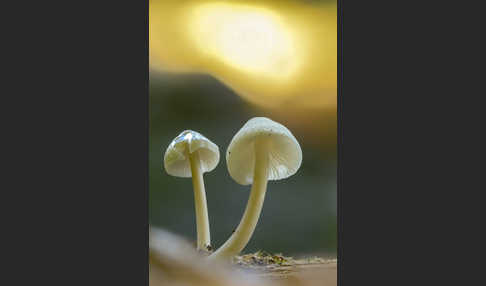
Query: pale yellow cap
(176, 158)
(285, 155)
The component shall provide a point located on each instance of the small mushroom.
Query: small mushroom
(191, 154)
(262, 150)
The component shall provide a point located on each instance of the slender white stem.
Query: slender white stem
(202, 219)
(239, 239)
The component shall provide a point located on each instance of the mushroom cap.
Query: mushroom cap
(285, 155)
(176, 158)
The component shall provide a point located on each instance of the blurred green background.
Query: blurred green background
(299, 213)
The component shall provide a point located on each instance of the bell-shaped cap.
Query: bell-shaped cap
(284, 153)
(176, 158)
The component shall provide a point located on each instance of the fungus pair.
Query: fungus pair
(262, 150)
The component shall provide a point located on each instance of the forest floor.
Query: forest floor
(277, 266)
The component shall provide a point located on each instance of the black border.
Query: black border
(78, 154)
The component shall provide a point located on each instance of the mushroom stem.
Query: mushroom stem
(202, 219)
(239, 239)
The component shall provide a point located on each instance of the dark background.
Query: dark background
(299, 213)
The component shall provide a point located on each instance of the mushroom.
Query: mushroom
(191, 154)
(262, 150)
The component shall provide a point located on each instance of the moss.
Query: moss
(262, 258)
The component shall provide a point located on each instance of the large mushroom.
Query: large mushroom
(191, 154)
(262, 150)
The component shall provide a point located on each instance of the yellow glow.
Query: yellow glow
(277, 54)
(249, 38)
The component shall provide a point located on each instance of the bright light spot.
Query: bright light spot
(248, 38)
(188, 136)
